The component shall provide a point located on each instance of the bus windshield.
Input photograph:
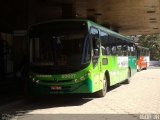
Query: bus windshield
(59, 44)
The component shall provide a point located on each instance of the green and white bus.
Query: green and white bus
(78, 56)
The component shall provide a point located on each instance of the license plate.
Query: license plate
(56, 87)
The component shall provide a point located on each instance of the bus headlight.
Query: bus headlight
(37, 81)
(85, 76)
(75, 80)
(87, 73)
(33, 79)
(82, 78)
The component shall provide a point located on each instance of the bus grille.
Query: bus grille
(56, 81)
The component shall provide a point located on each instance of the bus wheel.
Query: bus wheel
(145, 68)
(129, 77)
(139, 69)
(103, 91)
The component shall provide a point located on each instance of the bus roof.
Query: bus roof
(110, 32)
(141, 47)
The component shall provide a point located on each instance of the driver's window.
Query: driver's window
(95, 41)
(95, 45)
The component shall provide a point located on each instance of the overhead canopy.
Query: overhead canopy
(5, 27)
(6, 17)
(129, 17)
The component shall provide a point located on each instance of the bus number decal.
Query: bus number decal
(69, 76)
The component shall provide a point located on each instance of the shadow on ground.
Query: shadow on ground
(31, 103)
(45, 102)
(154, 67)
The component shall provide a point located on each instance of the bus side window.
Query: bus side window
(104, 52)
(129, 50)
(114, 50)
(108, 49)
(119, 50)
(104, 42)
(132, 51)
(125, 50)
(113, 44)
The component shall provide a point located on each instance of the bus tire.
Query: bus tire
(140, 69)
(103, 91)
(145, 68)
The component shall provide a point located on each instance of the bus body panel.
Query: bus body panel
(133, 64)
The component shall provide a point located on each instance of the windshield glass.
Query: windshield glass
(59, 44)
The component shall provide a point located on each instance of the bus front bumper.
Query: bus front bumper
(80, 87)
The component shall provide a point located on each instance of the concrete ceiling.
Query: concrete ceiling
(129, 17)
